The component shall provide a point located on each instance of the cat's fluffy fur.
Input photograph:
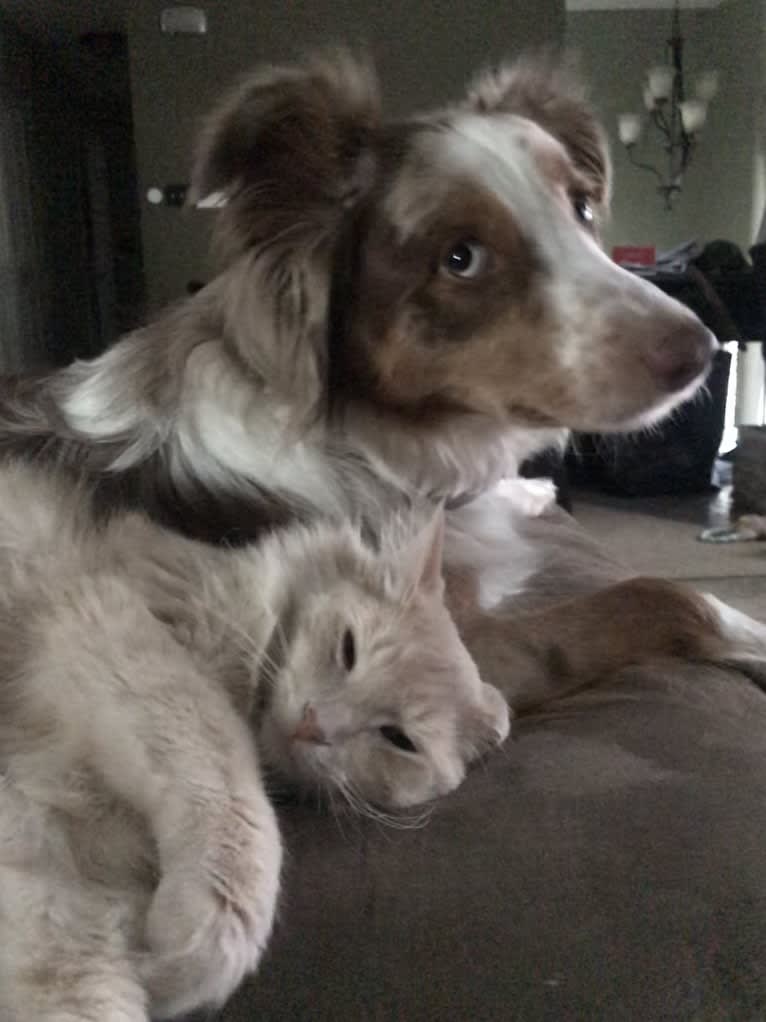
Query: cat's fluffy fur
(144, 680)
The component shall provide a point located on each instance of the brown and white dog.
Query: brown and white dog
(416, 305)
(404, 309)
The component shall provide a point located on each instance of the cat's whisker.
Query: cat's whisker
(338, 815)
(281, 638)
(351, 799)
(365, 808)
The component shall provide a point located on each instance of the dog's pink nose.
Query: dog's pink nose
(680, 356)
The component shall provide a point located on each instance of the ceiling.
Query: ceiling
(64, 20)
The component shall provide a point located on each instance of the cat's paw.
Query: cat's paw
(209, 921)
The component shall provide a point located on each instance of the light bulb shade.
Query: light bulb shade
(706, 86)
(693, 115)
(629, 128)
(660, 80)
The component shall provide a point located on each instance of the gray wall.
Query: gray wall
(722, 193)
(424, 50)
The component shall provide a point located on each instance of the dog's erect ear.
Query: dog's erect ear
(548, 91)
(290, 144)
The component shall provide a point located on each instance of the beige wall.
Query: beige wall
(425, 49)
(722, 194)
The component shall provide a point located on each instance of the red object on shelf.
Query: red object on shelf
(634, 255)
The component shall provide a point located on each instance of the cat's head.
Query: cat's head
(376, 697)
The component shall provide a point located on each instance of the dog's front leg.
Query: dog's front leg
(537, 656)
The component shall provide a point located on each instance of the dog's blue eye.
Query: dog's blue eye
(583, 210)
(466, 259)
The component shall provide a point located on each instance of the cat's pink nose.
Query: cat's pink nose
(309, 730)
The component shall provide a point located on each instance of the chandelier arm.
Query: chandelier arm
(645, 166)
(667, 118)
(687, 148)
(661, 122)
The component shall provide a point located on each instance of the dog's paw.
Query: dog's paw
(755, 524)
(745, 636)
(209, 922)
(528, 497)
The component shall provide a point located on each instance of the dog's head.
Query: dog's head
(447, 263)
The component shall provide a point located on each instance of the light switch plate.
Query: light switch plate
(183, 20)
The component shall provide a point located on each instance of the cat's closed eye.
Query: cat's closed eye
(348, 650)
(397, 737)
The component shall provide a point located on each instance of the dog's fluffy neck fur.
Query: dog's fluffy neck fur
(443, 455)
(197, 402)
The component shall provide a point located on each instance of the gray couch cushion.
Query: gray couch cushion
(609, 864)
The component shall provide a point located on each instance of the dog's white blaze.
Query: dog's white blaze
(500, 153)
(585, 289)
(581, 282)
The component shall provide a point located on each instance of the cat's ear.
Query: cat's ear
(423, 556)
(490, 722)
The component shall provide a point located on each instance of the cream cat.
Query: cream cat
(144, 679)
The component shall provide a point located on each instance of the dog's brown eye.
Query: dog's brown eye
(397, 737)
(583, 210)
(466, 259)
(348, 650)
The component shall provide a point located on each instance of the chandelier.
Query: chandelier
(677, 120)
